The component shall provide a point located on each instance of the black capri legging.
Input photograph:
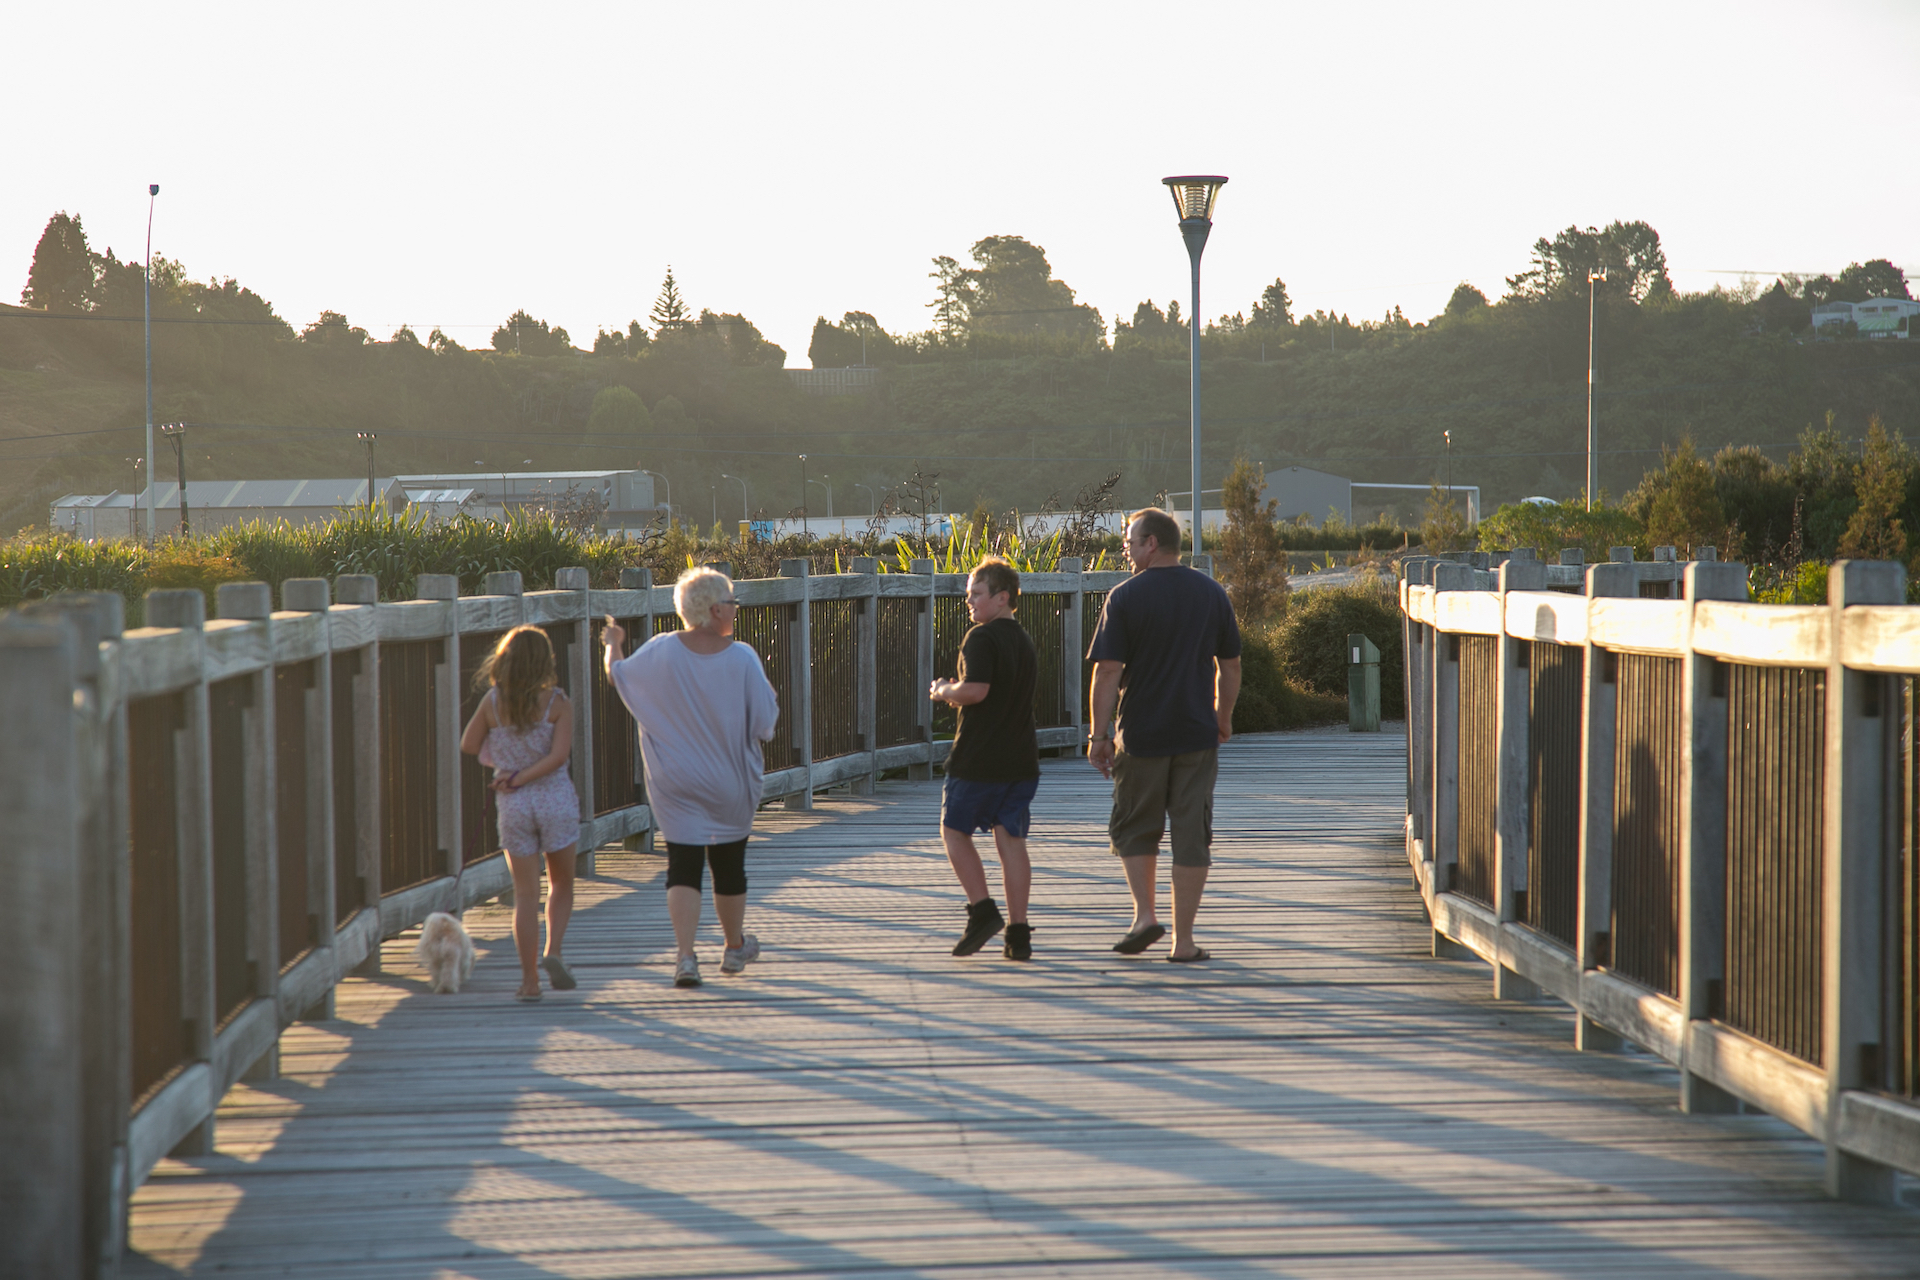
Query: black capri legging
(686, 862)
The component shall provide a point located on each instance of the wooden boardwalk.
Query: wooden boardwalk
(1322, 1099)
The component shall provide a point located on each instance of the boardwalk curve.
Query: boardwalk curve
(1321, 1100)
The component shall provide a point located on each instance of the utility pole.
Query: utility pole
(146, 292)
(367, 438)
(1592, 278)
(176, 432)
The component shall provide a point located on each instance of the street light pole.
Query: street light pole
(146, 291)
(367, 438)
(1592, 278)
(805, 529)
(822, 482)
(746, 501)
(1448, 436)
(1194, 196)
(175, 432)
(871, 494)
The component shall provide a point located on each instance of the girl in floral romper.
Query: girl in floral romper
(523, 728)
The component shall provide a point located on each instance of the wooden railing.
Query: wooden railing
(214, 821)
(1690, 817)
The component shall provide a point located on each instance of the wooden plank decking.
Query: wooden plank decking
(1321, 1100)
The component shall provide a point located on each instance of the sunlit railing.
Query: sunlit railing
(1690, 817)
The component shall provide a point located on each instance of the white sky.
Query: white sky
(445, 164)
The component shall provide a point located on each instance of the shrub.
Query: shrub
(1311, 645)
(1267, 700)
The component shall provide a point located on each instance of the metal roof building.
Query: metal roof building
(218, 504)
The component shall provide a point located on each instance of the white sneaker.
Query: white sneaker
(734, 959)
(687, 972)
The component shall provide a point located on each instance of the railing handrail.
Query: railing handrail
(70, 672)
(1842, 1092)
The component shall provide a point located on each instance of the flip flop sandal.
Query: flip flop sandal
(1199, 954)
(557, 974)
(1140, 939)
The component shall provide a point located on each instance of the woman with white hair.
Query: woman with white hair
(704, 705)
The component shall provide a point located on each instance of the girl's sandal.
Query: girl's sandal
(527, 997)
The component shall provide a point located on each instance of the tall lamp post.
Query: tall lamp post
(805, 528)
(146, 291)
(1448, 437)
(823, 483)
(1194, 196)
(870, 494)
(669, 484)
(746, 500)
(367, 438)
(1593, 279)
(176, 432)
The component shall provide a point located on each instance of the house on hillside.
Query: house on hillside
(1302, 491)
(1874, 318)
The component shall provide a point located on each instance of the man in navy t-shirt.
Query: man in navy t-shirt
(1167, 651)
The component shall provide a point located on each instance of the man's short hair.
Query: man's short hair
(999, 577)
(1158, 525)
(697, 591)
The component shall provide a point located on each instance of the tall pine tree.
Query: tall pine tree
(62, 274)
(670, 312)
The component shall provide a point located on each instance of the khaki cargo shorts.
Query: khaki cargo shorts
(1149, 792)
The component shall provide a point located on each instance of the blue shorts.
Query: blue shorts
(982, 806)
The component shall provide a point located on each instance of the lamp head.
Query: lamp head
(1195, 194)
(153, 188)
(1600, 274)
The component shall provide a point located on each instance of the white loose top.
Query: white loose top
(702, 719)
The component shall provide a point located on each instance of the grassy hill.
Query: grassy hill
(1007, 430)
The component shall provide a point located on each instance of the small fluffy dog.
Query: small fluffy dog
(446, 951)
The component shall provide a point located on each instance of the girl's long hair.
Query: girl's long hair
(521, 667)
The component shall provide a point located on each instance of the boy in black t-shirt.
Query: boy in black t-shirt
(994, 767)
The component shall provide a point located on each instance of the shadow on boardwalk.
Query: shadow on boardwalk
(1320, 1100)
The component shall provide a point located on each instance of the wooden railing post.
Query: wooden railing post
(639, 579)
(1511, 832)
(800, 676)
(311, 595)
(253, 602)
(102, 967)
(580, 658)
(1445, 842)
(362, 590)
(1703, 830)
(186, 609)
(44, 1189)
(1417, 643)
(1861, 789)
(1071, 649)
(923, 671)
(1599, 726)
(866, 712)
(446, 711)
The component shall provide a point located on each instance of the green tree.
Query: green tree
(1465, 298)
(1011, 289)
(616, 343)
(618, 411)
(1876, 279)
(1253, 563)
(334, 330)
(857, 340)
(670, 313)
(61, 276)
(524, 335)
(1274, 310)
(1822, 472)
(1678, 504)
(1758, 499)
(1875, 531)
(1445, 526)
(1630, 251)
(738, 337)
(952, 300)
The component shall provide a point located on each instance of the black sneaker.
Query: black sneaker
(983, 921)
(1019, 943)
